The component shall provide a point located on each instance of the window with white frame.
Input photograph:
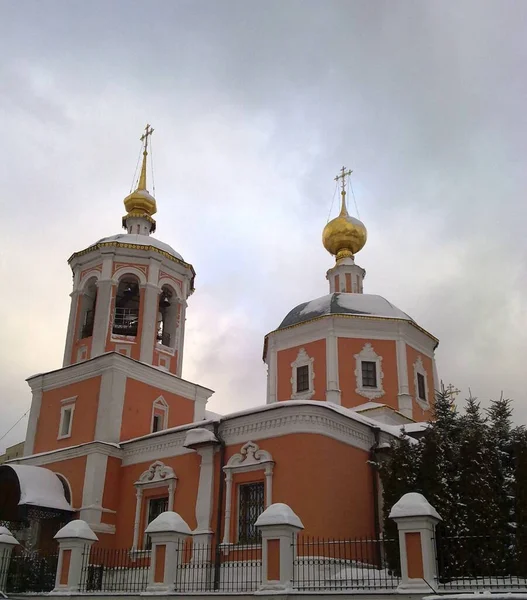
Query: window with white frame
(420, 384)
(159, 415)
(66, 417)
(303, 376)
(368, 373)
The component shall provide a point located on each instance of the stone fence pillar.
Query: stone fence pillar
(416, 521)
(7, 543)
(75, 540)
(279, 526)
(168, 532)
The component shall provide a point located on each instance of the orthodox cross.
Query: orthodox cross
(144, 138)
(342, 178)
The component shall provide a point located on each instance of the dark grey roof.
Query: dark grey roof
(343, 304)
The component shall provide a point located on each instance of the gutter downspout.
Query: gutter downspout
(219, 514)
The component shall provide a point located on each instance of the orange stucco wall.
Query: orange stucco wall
(110, 497)
(84, 416)
(317, 351)
(347, 348)
(137, 409)
(73, 470)
(418, 413)
(187, 471)
(327, 483)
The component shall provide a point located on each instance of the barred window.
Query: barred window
(302, 378)
(369, 374)
(251, 497)
(156, 506)
(421, 389)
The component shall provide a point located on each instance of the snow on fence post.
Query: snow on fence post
(7, 543)
(75, 540)
(167, 532)
(279, 527)
(416, 521)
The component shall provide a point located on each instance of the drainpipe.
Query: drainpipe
(375, 489)
(219, 515)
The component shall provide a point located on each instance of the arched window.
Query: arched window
(87, 316)
(126, 316)
(65, 486)
(167, 317)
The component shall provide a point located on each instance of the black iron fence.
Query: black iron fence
(114, 570)
(481, 562)
(27, 571)
(361, 563)
(223, 568)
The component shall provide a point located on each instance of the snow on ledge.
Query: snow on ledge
(481, 596)
(76, 529)
(413, 505)
(279, 514)
(168, 521)
(199, 436)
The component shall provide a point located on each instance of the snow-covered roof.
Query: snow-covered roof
(39, 487)
(344, 304)
(279, 514)
(413, 505)
(139, 240)
(199, 436)
(168, 521)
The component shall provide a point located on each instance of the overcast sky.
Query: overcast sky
(256, 106)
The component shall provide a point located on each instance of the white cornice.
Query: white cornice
(61, 454)
(131, 368)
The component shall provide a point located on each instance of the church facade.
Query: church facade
(117, 435)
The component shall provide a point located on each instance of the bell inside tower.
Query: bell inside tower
(127, 301)
(167, 317)
(89, 300)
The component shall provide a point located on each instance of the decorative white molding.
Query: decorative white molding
(157, 475)
(302, 360)
(161, 404)
(368, 354)
(250, 458)
(68, 453)
(419, 369)
(129, 270)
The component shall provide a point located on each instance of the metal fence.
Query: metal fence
(329, 564)
(481, 562)
(109, 570)
(223, 568)
(28, 571)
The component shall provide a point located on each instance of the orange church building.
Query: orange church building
(117, 435)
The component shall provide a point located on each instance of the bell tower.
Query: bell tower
(130, 290)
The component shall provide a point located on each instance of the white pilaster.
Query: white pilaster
(137, 518)
(332, 366)
(204, 499)
(181, 337)
(110, 409)
(70, 335)
(34, 414)
(271, 371)
(93, 489)
(404, 398)
(228, 502)
(149, 321)
(103, 306)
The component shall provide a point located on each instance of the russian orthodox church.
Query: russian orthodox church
(117, 435)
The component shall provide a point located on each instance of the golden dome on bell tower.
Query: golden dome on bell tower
(140, 203)
(344, 236)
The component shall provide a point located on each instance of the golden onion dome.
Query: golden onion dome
(344, 236)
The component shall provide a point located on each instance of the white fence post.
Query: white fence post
(75, 540)
(7, 543)
(279, 526)
(168, 532)
(416, 521)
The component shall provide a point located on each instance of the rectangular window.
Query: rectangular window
(302, 378)
(156, 506)
(369, 374)
(66, 420)
(156, 424)
(421, 390)
(251, 498)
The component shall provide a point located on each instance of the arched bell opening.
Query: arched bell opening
(127, 304)
(167, 317)
(87, 313)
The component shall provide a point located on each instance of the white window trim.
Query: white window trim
(303, 359)
(368, 354)
(420, 369)
(159, 403)
(68, 404)
(250, 458)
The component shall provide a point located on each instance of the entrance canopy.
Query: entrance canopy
(38, 486)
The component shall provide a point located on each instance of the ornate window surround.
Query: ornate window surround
(303, 359)
(368, 354)
(419, 369)
(157, 475)
(250, 458)
(161, 404)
